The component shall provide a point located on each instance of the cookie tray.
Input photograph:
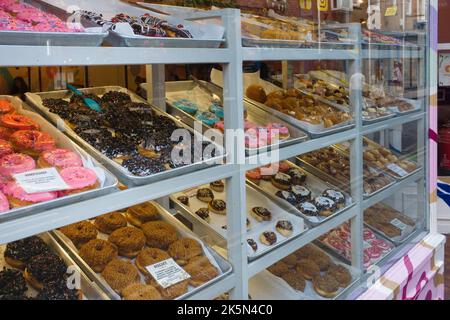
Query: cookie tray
(92, 38)
(254, 199)
(35, 99)
(408, 230)
(218, 261)
(180, 89)
(313, 183)
(345, 186)
(109, 184)
(267, 286)
(89, 289)
(315, 131)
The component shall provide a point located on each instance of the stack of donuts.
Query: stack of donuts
(24, 147)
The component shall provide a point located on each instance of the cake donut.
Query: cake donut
(60, 159)
(327, 286)
(184, 200)
(110, 222)
(43, 269)
(148, 257)
(16, 163)
(203, 213)
(308, 209)
(80, 233)
(172, 292)
(281, 181)
(98, 253)
(142, 213)
(301, 193)
(200, 270)
(119, 274)
(205, 195)
(308, 269)
(218, 206)
(326, 206)
(6, 107)
(337, 196)
(298, 176)
(140, 292)
(321, 259)
(18, 253)
(18, 122)
(159, 234)
(268, 238)
(285, 228)
(129, 241)
(12, 285)
(279, 268)
(32, 142)
(295, 280)
(5, 148)
(218, 185)
(341, 274)
(79, 179)
(18, 198)
(4, 203)
(287, 196)
(184, 250)
(261, 214)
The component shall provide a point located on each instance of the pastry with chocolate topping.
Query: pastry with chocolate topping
(287, 196)
(252, 243)
(298, 176)
(218, 206)
(205, 195)
(12, 285)
(308, 209)
(337, 196)
(203, 213)
(268, 238)
(285, 228)
(261, 214)
(326, 206)
(281, 181)
(58, 290)
(301, 193)
(218, 186)
(19, 253)
(184, 200)
(43, 269)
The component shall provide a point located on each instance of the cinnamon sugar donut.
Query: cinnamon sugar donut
(148, 257)
(80, 233)
(138, 291)
(322, 260)
(290, 260)
(341, 274)
(98, 253)
(295, 280)
(129, 241)
(308, 269)
(159, 234)
(120, 274)
(327, 286)
(200, 270)
(171, 292)
(279, 268)
(142, 213)
(109, 222)
(185, 249)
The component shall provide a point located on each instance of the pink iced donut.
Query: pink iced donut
(3, 181)
(368, 235)
(18, 197)
(367, 260)
(79, 179)
(16, 163)
(383, 245)
(5, 148)
(283, 131)
(4, 203)
(374, 252)
(59, 158)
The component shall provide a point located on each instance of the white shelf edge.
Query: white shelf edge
(387, 124)
(276, 54)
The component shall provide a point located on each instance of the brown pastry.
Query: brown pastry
(341, 274)
(281, 181)
(205, 195)
(184, 200)
(203, 213)
(252, 243)
(138, 291)
(119, 274)
(295, 280)
(107, 223)
(308, 268)
(184, 250)
(268, 238)
(142, 213)
(218, 206)
(285, 228)
(322, 260)
(256, 93)
(290, 260)
(129, 241)
(279, 268)
(172, 292)
(200, 270)
(98, 253)
(159, 234)
(327, 286)
(148, 257)
(218, 186)
(261, 214)
(80, 233)
(305, 251)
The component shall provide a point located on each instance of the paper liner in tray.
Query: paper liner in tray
(36, 100)
(89, 289)
(222, 266)
(254, 199)
(108, 182)
(267, 286)
(314, 130)
(315, 185)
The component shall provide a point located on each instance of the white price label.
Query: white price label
(397, 170)
(167, 273)
(397, 223)
(41, 180)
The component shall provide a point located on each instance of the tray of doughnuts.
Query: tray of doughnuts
(37, 268)
(300, 192)
(28, 142)
(268, 225)
(190, 102)
(389, 223)
(303, 111)
(130, 137)
(116, 251)
(307, 274)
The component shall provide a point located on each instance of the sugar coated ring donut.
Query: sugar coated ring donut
(98, 253)
(18, 122)
(109, 222)
(32, 141)
(120, 274)
(171, 292)
(138, 291)
(150, 256)
(129, 241)
(159, 234)
(200, 270)
(80, 233)
(185, 249)
(59, 158)
(16, 163)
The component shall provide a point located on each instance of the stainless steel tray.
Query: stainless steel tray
(342, 107)
(183, 89)
(279, 43)
(313, 132)
(345, 186)
(313, 183)
(267, 286)
(217, 260)
(254, 199)
(34, 38)
(368, 121)
(119, 40)
(123, 174)
(109, 186)
(417, 106)
(89, 289)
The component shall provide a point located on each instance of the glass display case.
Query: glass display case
(263, 149)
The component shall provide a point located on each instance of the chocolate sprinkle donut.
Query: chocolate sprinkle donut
(47, 267)
(58, 290)
(12, 284)
(25, 249)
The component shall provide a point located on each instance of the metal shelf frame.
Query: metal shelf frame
(231, 58)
